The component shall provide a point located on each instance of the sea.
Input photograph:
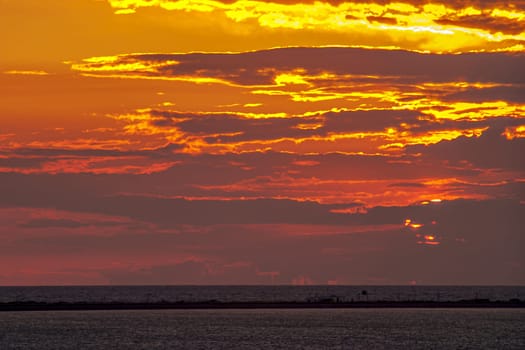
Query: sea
(482, 328)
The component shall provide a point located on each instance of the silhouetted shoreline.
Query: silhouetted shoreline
(64, 306)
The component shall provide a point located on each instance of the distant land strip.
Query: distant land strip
(77, 306)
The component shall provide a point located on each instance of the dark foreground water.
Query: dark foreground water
(266, 329)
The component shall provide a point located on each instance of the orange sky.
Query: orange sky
(212, 142)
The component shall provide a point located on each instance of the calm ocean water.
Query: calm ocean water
(256, 293)
(265, 329)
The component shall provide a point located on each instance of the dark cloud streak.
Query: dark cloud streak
(261, 67)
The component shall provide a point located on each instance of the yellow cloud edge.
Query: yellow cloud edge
(397, 20)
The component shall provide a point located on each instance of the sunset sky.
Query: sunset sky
(262, 142)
